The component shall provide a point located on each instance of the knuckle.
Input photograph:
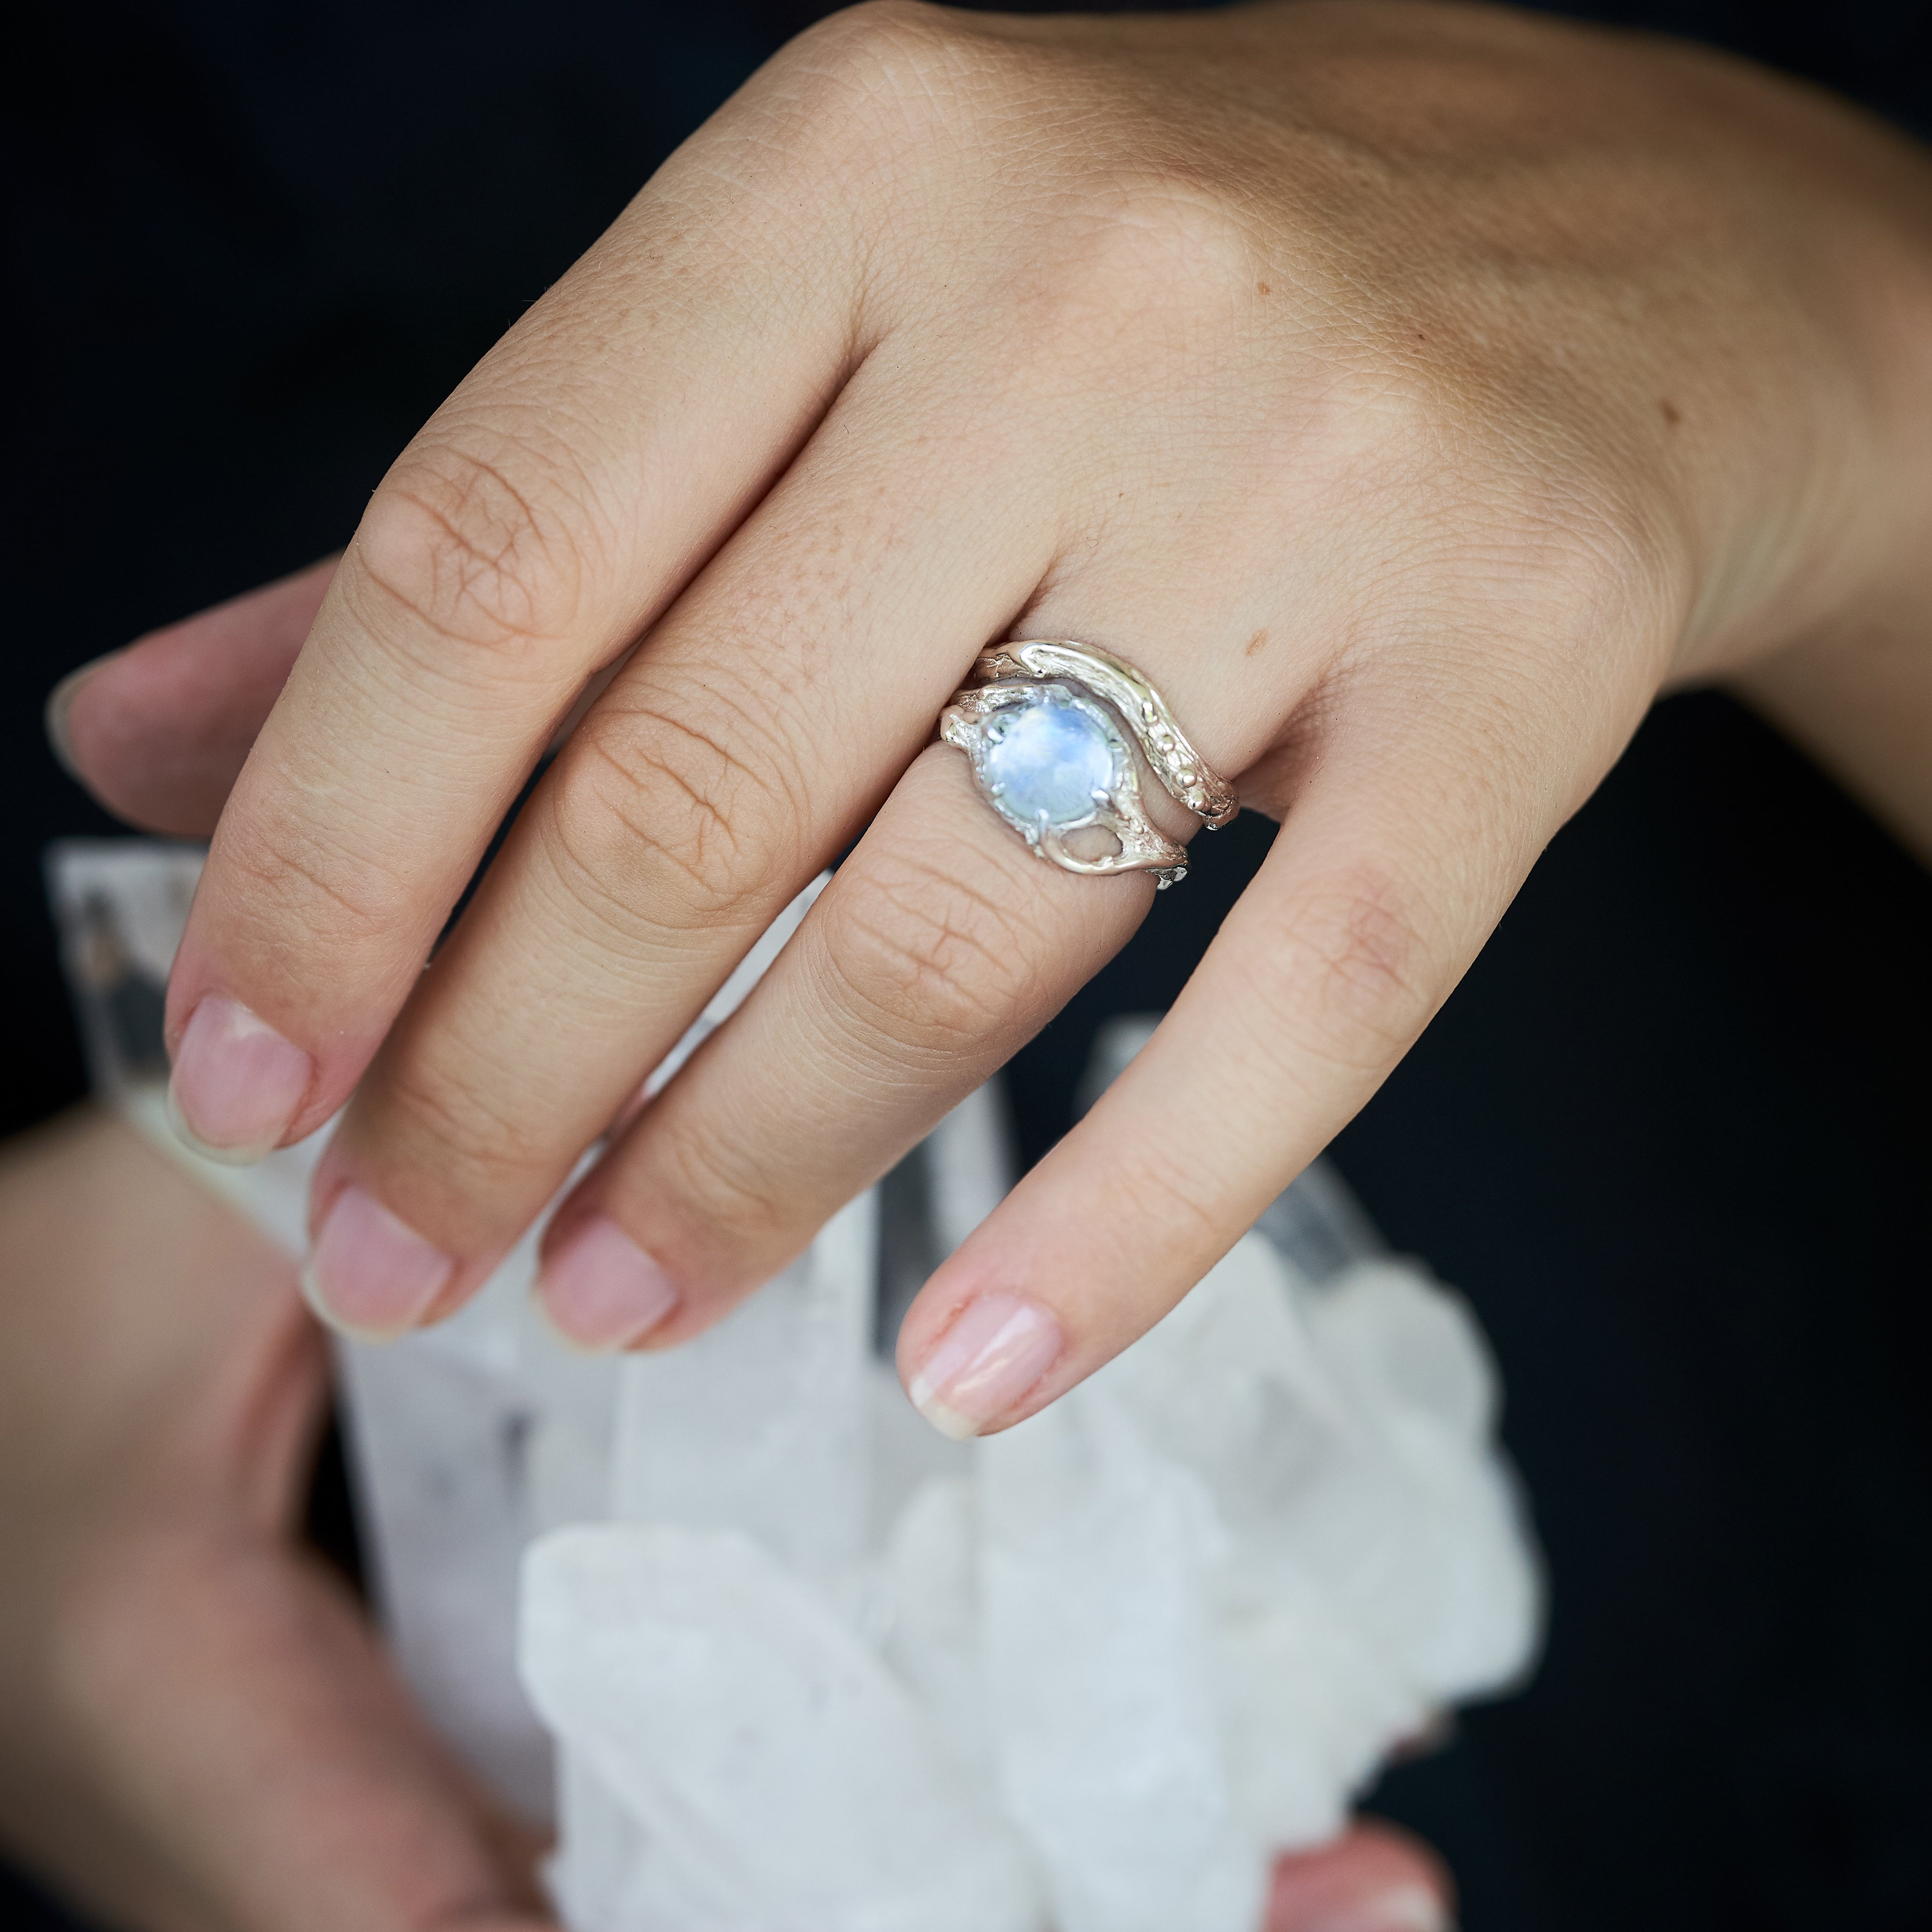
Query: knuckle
(1342, 974)
(723, 1184)
(652, 802)
(297, 880)
(880, 48)
(893, 92)
(1611, 563)
(1391, 430)
(918, 956)
(867, 77)
(482, 541)
(456, 1124)
(1168, 239)
(1142, 266)
(878, 29)
(1510, 528)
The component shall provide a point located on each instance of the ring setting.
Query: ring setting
(1051, 730)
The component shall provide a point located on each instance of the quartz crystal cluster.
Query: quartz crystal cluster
(1091, 1678)
(777, 1658)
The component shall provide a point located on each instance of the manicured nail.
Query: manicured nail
(602, 1290)
(372, 1275)
(998, 1346)
(237, 1084)
(60, 702)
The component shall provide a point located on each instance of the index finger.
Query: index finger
(525, 538)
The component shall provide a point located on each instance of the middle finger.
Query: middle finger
(742, 747)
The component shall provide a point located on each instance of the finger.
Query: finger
(939, 947)
(539, 523)
(158, 731)
(727, 765)
(1374, 1878)
(1395, 860)
(200, 1729)
(317, 1797)
(272, 1755)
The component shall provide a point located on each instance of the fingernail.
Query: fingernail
(236, 1084)
(60, 702)
(372, 1275)
(999, 1345)
(1408, 1908)
(602, 1290)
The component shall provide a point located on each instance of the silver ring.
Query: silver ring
(1051, 729)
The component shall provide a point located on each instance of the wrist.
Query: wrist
(1858, 699)
(1853, 688)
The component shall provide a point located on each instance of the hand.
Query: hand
(198, 1729)
(1410, 391)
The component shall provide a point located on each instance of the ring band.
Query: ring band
(1050, 730)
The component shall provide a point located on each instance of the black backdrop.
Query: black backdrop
(1670, 1137)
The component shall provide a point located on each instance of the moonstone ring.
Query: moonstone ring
(1051, 729)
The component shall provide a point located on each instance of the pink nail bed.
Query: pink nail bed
(999, 1345)
(237, 1085)
(602, 1290)
(372, 1274)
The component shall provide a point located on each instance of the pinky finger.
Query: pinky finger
(1374, 900)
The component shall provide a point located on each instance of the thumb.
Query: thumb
(1373, 1878)
(158, 731)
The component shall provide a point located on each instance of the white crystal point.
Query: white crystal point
(1377, 1566)
(1103, 1661)
(783, 1779)
(761, 1424)
(931, 1638)
(1046, 759)
(1461, 1601)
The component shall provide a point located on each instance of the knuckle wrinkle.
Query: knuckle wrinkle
(1345, 977)
(651, 797)
(935, 963)
(476, 550)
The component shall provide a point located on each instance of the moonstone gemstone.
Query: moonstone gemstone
(1048, 759)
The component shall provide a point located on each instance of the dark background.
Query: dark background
(1670, 1137)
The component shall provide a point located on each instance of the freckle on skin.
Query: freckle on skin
(1673, 415)
(1264, 288)
(1255, 643)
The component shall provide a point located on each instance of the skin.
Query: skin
(200, 1730)
(1411, 391)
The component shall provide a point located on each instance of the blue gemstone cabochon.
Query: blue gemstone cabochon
(1047, 756)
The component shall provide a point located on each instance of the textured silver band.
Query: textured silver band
(1104, 701)
(1187, 775)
